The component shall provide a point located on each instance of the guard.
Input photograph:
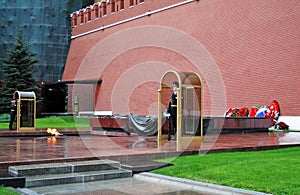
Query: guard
(13, 112)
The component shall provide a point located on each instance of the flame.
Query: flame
(51, 140)
(53, 132)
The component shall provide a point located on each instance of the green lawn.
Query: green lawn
(272, 171)
(61, 122)
(7, 191)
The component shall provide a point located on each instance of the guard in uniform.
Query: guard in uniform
(13, 112)
(173, 109)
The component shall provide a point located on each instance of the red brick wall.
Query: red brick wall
(254, 45)
(112, 17)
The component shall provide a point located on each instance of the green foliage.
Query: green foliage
(272, 171)
(18, 72)
(4, 118)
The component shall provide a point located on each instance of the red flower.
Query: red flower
(232, 112)
(273, 111)
(243, 112)
(281, 125)
(253, 112)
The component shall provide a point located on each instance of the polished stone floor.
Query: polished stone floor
(119, 146)
(38, 147)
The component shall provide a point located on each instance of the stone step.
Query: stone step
(61, 168)
(143, 166)
(8, 180)
(79, 177)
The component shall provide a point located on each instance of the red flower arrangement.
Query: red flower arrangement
(272, 111)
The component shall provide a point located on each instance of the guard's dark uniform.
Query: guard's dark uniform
(13, 113)
(173, 112)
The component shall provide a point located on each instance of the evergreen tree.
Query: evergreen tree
(18, 72)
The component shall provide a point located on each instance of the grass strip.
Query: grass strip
(62, 122)
(272, 171)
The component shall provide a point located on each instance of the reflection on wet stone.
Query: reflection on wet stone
(86, 146)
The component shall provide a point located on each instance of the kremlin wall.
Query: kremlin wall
(245, 52)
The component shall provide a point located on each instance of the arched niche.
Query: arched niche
(189, 106)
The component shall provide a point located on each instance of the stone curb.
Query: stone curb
(201, 187)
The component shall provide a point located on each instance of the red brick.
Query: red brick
(255, 45)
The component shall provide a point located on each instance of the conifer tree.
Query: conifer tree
(18, 72)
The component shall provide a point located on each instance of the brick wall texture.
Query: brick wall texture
(246, 52)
